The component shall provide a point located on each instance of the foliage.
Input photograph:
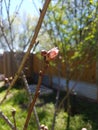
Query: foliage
(71, 25)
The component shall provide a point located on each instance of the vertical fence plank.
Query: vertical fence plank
(1, 64)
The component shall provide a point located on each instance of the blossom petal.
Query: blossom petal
(52, 54)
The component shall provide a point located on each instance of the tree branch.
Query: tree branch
(7, 120)
(16, 11)
(31, 107)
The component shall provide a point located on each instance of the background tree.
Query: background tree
(71, 25)
(15, 29)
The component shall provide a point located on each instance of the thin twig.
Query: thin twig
(35, 7)
(57, 98)
(7, 120)
(4, 35)
(13, 115)
(16, 11)
(9, 20)
(30, 99)
(31, 107)
(56, 108)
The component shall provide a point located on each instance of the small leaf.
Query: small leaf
(65, 22)
(91, 1)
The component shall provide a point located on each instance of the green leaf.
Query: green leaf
(65, 22)
(91, 1)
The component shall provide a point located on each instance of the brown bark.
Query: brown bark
(31, 107)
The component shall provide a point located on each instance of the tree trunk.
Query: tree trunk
(96, 16)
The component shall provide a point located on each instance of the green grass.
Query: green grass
(83, 114)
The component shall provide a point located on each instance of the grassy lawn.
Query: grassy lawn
(83, 113)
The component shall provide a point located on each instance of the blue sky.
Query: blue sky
(31, 6)
(28, 6)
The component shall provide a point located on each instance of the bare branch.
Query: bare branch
(9, 21)
(16, 11)
(31, 107)
(7, 120)
(30, 99)
(4, 35)
(1, 7)
(35, 7)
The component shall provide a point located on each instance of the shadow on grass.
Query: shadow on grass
(42, 115)
(3, 88)
(20, 98)
(47, 98)
(88, 109)
(79, 106)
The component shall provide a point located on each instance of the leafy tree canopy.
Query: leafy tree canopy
(71, 25)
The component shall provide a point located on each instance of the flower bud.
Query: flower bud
(42, 127)
(13, 111)
(43, 52)
(83, 129)
(45, 128)
(41, 73)
(52, 54)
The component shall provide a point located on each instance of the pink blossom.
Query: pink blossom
(51, 54)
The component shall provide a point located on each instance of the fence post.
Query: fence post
(97, 72)
(8, 64)
(5, 62)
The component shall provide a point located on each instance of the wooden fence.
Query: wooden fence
(81, 70)
(8, 65)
